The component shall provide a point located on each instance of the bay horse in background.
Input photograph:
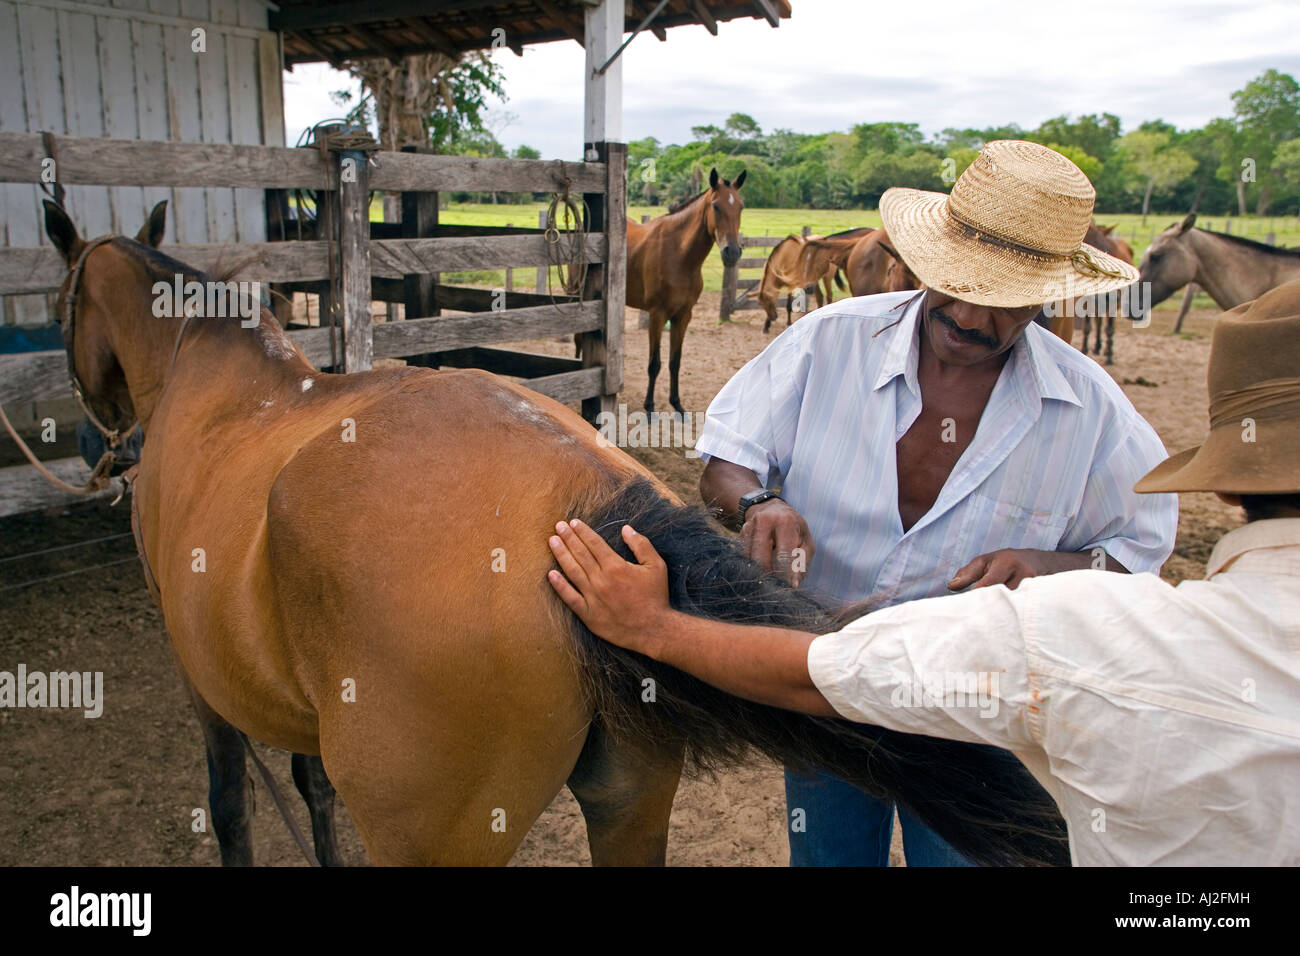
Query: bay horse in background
(448, 700)
(665, 260)
(1231, 269)
(785, 269)
(1102, 238)
(873, 266)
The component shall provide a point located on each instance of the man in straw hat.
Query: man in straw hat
(907, 445)
(1164, 721)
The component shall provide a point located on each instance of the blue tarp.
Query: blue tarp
(19, 338)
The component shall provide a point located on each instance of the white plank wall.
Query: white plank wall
(124, 68)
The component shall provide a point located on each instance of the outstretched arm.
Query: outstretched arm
(627, 604)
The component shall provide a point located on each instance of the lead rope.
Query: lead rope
(294, 830)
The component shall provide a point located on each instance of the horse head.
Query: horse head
(1170, 261)
(898, 275)
(723, 214)
(87, 305)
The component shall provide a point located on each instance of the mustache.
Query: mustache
(966, 335)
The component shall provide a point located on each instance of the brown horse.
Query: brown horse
(873, 266)
(1101, 237)
(786, 269)
(1231, 269)
(665, 258)
(830, 253)
(412, 640)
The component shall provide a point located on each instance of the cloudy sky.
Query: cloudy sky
(938, 63)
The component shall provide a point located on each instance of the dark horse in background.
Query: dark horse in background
(665, 259)
(475, 696)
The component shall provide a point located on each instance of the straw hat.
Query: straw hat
(1254, 443)
(1009, 235)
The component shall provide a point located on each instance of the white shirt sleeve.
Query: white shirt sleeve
(1136, 530)
(953, 666)
(753, 421)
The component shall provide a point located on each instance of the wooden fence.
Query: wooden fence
(387, 262)
(731, 281)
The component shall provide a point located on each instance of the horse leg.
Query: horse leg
(767, 299)
(310, 779)
(677, 335)
(1110, 338)
(437, 778)
(626, 796)
(657, 319)
(230, 791)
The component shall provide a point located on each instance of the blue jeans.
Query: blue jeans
(842, 826)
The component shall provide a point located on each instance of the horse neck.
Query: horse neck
(689, 230)
(1228, 272)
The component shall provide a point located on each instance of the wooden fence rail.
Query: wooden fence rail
(393, 262)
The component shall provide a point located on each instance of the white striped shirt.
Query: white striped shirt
(1051, 466)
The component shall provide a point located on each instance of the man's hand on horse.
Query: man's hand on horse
(1010, 566)
(777, 537)
(625, 603)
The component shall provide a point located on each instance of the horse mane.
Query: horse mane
(163, 267)
(980, 799)
(681, 204)
(860, 230)
(1253, 244)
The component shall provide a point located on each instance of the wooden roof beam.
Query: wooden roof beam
(572, 25)
(377, 43)
(702, 14)
(768, 11)
(323, 52)
(435, 37)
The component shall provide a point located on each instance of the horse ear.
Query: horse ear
(1188, 221)
(151, 233)
(1107, 230)
(62, 232)
(713, 178)
(740, 180)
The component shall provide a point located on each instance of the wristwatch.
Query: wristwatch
(752, 498)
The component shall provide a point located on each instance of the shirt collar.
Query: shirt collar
(902, 345)
(1032, 353)
(1255, 536)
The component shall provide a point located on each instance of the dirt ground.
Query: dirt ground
(122, 789)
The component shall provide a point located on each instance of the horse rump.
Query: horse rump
(978, 798)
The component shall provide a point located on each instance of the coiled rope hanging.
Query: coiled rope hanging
(566, 240)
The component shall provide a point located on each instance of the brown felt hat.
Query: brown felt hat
(1009, 235)
(1254, 378)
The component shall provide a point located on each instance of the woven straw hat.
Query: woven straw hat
(1254, 443)
(1009, 235)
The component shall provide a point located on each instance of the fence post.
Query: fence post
(510, 270)
(541, 270)
(354, 259)
(604, 348)
(643, 317)
(419, 221)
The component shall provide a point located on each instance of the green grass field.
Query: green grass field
(780, 222)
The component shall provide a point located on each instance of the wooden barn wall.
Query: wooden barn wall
(124, 69)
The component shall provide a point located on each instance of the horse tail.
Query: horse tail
(980, 799)
(839, 278)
